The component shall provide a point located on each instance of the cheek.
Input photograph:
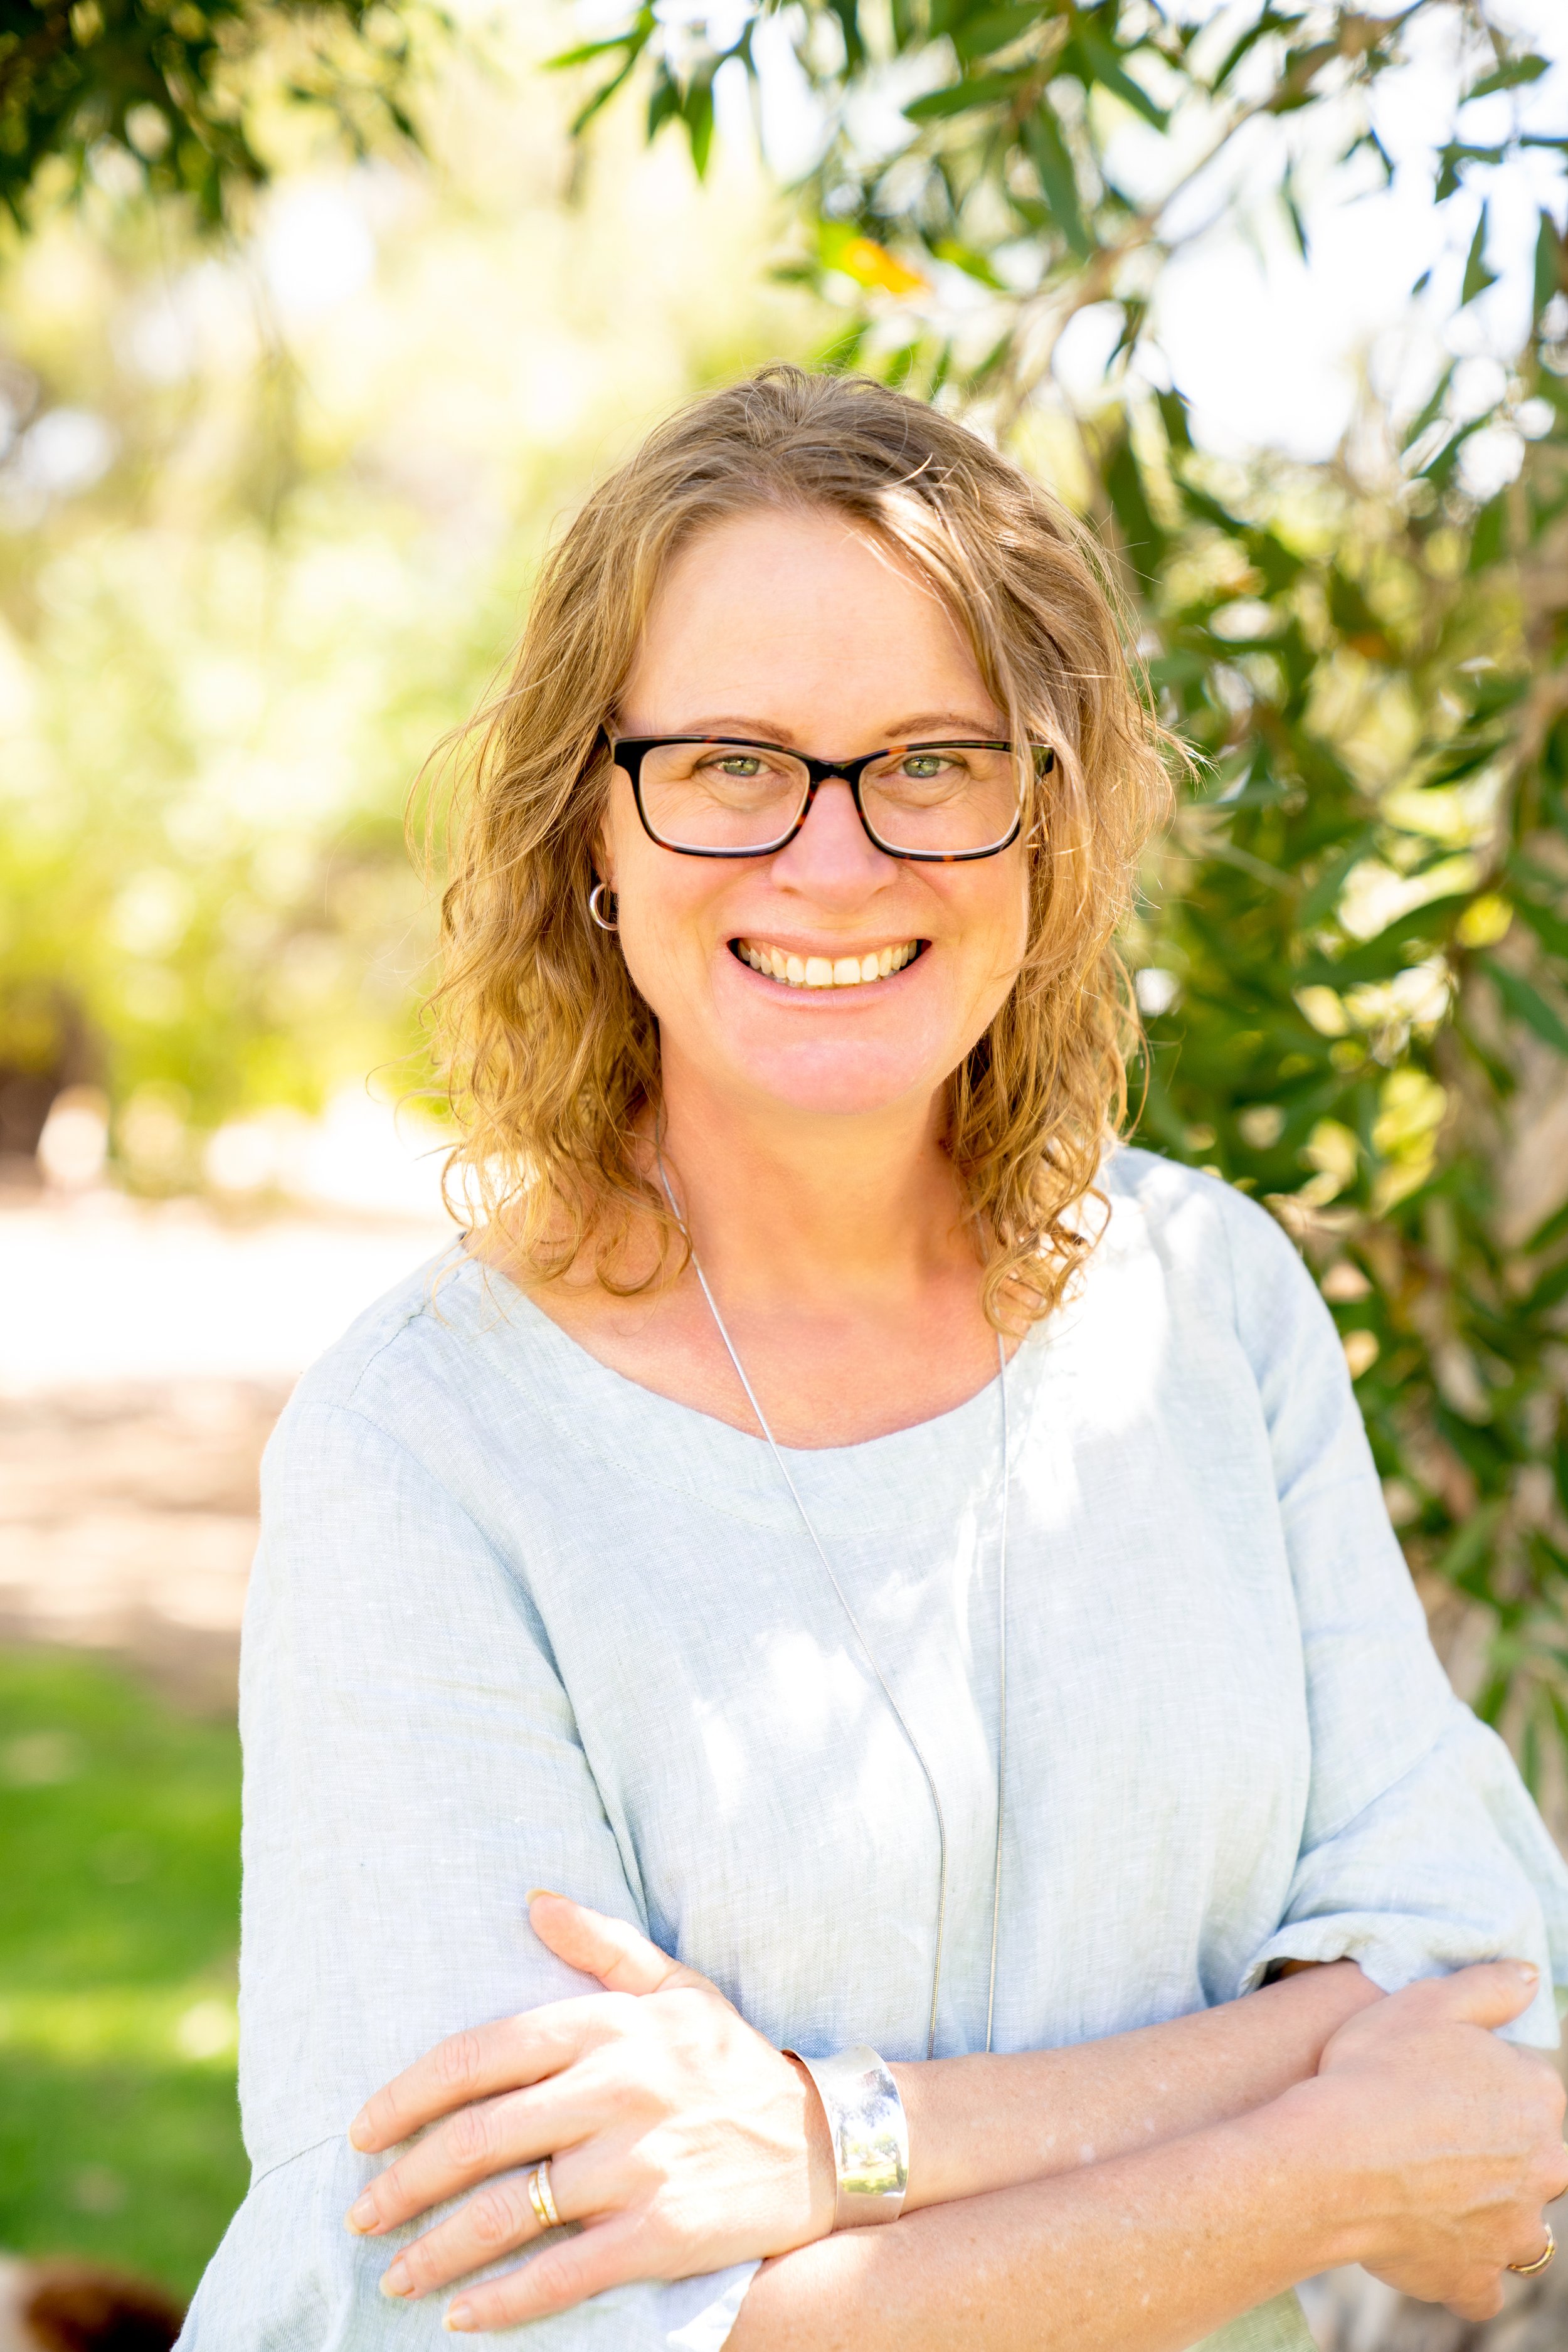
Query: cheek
(667, 928)
(988, 909)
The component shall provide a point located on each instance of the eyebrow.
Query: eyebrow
(924, 724)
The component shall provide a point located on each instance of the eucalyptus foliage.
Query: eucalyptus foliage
(168, 86)
(1353, 960)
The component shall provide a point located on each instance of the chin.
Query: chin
(843, 1082)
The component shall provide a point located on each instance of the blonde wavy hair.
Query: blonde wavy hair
(548, 1054)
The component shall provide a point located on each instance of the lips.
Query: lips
(823, 972)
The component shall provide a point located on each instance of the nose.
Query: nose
(833, 858)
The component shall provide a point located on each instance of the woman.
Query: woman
(903, 1571)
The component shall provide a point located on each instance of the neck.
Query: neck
(806, 1207)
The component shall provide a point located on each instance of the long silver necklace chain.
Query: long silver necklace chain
(869, 1653)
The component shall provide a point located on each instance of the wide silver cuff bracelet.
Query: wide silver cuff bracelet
(869, 2131)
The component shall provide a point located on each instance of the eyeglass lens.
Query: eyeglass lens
(944, 799)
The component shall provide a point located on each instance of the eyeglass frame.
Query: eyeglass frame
(628, 753)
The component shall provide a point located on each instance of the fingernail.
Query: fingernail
(535, 1892)
(1532, 1975)
(459, 2320)
(360, 2215)
(395, 2278)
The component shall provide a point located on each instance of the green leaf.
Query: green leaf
(638, 31)
(847, 13)
(1510, 75)
(1549, 1292)
(1294, 213)
(1394, 950)
(1172, 409)
(1143, 542)
(1270, 21)
(1478, 276)
(1488, 532)
(994, 29)
(1527, 1004)
(1550, 264)
(1429, 414)
(1054, 169)
(966, 257)
(1353, 617)
(1548, 926)
(1100, 60)
(963, 96)
(698, 115)
(1451, 160)
(665, 102)
(1470, 1545)
(1545, 1234)
(1323, 895)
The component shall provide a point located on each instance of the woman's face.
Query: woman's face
(798, 629)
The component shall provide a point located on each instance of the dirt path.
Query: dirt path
(127, 1522)
(145, 1352)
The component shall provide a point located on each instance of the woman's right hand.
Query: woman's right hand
(1444, 2142)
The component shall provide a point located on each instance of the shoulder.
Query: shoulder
(1191, 1218)
(413, 1375)
(396, 1468)
(1220, 1253)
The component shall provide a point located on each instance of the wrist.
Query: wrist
(1300, 2144)
(822, 2171)
(1323, 1995)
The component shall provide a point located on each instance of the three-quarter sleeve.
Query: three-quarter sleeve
(1421, 1851)
(412, 1768)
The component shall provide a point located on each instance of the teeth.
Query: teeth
(822, 971)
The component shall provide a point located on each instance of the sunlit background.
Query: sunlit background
(270, 506)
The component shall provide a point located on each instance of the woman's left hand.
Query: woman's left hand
(679, 2138)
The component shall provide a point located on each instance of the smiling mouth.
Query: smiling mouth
(825, 971)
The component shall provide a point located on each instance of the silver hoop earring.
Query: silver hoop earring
(595, 895)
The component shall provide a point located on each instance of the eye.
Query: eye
(924, 765)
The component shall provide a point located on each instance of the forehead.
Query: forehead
(803, 603)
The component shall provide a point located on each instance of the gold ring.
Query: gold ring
(1529, 2269)
(543, 2204)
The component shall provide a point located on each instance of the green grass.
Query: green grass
(119, 1921)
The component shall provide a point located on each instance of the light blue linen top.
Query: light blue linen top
(518, 1622)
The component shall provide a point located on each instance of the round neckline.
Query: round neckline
(932, 1422)
(922, 1469)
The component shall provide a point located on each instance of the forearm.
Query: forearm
(985, 2123)
(1145, 2254)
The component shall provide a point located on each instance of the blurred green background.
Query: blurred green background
(118, 1897)
(315, 321)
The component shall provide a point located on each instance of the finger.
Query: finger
(496, 2220)
(475, 2144)
(480, 2141)
(607, 1948)
(1492, 1993)
(566, 2273)
(503, 2056)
